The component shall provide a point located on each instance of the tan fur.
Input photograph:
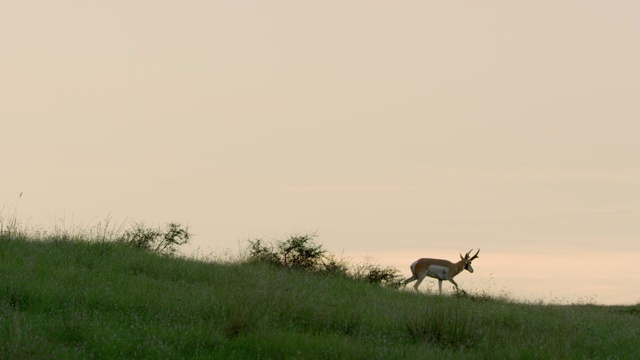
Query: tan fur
(439, 269)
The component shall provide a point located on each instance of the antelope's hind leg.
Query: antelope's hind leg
(413, 278)
(420, 278)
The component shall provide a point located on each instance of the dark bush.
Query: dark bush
(301, 252)
(263, 253)
(375, 274)
(334, 266)
(157, 239)
(297, 252)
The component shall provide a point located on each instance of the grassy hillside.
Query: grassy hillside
(76, 299)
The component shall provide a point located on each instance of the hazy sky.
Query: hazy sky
(398, 129)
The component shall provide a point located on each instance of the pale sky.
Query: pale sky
(393, 129)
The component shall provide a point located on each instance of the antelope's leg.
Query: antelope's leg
(413, 278)
(420, 278)
(454, 283)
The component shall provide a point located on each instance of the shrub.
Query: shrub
(156, 239)
(301, 252)
(334, 266)
(375, 274)
(263, 253)
(297, 252)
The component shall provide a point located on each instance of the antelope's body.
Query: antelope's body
(439, 269)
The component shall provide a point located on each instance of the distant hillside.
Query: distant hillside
(77, 299)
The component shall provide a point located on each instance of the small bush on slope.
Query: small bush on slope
(302, 252)
(157, 239)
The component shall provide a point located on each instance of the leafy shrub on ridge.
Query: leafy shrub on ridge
(301, 252)
(156, 239)
(297, 252)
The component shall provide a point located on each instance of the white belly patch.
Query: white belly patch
(438, 272)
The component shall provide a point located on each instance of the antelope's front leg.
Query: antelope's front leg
(454, 283)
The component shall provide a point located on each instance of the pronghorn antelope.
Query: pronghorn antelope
(440, 269)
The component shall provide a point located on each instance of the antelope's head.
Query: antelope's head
(468, 259)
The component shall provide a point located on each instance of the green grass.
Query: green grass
(67, 299)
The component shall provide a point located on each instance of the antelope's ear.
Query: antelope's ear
(461, 258)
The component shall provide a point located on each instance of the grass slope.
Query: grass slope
(76, 299)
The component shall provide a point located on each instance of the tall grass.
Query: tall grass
(64, 297)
